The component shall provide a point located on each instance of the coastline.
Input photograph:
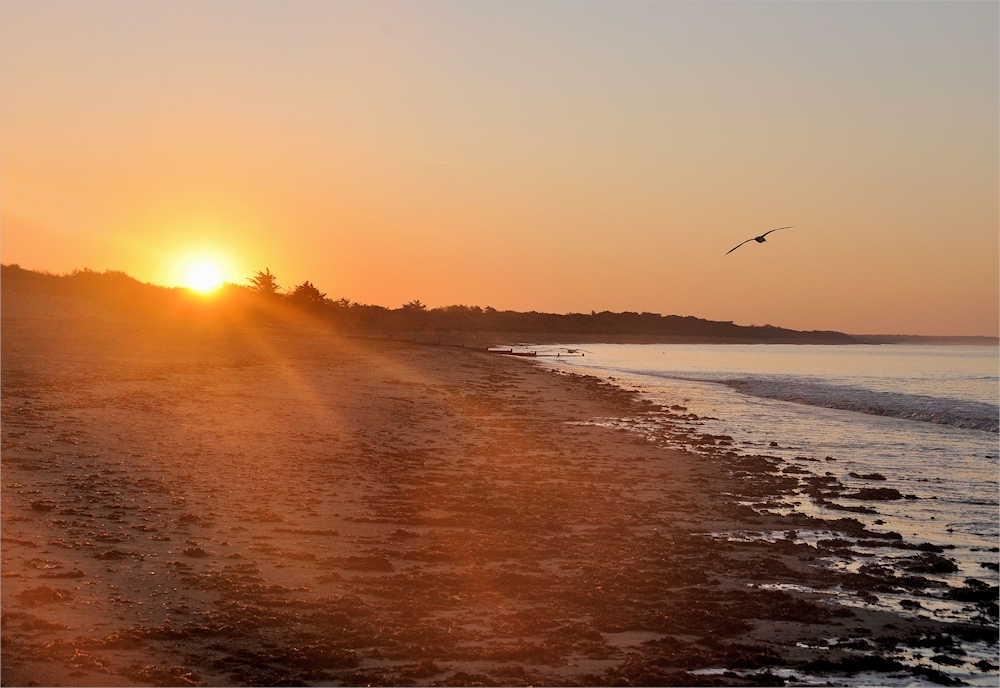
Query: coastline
(244, 504)
(532, 339)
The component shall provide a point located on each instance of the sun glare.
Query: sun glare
(204, 277)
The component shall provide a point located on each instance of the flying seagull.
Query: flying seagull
(759, 240)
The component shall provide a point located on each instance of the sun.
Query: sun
(204, 277)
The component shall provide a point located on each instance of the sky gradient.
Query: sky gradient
(532, 156)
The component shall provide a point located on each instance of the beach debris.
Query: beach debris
(43, 594)
(927, 563)
(867, 476)
(876, 494)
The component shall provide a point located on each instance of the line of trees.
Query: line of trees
(262, 297)
(415, 316)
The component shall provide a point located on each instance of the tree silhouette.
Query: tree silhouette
(414, 305)
(264, 282)
(307, 295)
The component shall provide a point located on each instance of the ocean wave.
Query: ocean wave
(962, 414)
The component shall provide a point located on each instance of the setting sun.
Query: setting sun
(578, 343)
(204, 277)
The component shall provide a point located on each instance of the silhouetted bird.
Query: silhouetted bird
(759, 240)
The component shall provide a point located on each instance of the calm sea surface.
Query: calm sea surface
(924, 417)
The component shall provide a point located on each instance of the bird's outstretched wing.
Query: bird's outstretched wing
(757, 237)
(775, 230)
(737, 246)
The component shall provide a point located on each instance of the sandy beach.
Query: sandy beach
(220, 503)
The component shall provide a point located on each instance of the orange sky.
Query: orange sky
(551, 156)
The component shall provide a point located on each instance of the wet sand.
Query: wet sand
(190, 503)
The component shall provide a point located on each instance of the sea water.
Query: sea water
(923, 417)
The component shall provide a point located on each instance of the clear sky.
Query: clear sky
(548, 156)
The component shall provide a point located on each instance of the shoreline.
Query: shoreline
(516, 339)
(242, 505)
